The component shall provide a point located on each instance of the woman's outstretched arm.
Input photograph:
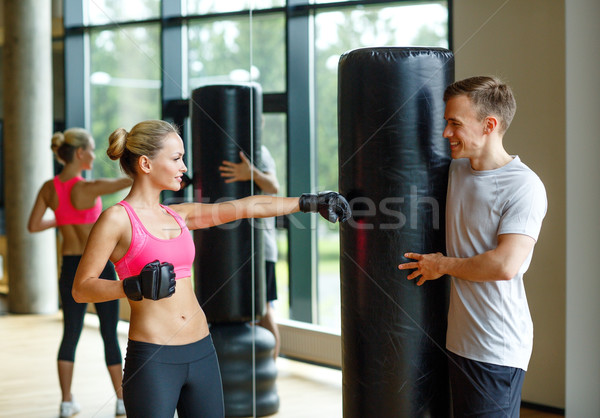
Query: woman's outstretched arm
(331, 205)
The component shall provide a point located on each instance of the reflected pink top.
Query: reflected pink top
(65, 213)
(145, 248)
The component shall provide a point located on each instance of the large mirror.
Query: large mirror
(141, 59)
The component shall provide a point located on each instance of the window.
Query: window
(200, 7)
(125, 83)
(110, 11)
(128, 67)
(338, 31)
(219, 50)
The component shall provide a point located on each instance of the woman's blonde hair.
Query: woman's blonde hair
(64, 144)
(145, 138)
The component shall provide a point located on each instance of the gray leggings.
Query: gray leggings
(161, 378)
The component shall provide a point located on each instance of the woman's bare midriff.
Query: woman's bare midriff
(175, 320)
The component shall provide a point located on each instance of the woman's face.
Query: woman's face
(168, 165)
(87, 155)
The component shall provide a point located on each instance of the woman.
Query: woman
(76, 204)
(171, 362)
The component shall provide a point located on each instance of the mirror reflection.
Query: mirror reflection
(125, 62)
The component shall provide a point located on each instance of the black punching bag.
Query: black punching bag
(226, 119)
(393, 168)
(243, 368)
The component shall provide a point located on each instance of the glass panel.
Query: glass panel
(219, 51)
(125, 82)
(335, 33)
(109, 11)
(274, 137)
(125, 77)
(200, 7)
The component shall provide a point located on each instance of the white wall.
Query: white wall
(583, 203)
(523, 42)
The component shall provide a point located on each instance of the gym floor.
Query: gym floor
(29, 383)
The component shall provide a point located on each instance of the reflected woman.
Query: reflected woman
(76, 204)
(171, 362)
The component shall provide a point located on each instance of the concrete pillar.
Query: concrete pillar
(27, 159)
(583, 199)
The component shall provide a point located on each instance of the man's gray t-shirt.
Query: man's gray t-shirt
(490, 321)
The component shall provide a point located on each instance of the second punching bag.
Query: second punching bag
(393, 167)
(226, 119)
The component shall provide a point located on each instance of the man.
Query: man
(494, 212)
(266, 180)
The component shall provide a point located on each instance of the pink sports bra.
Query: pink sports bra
(145, 248)
(65, 213)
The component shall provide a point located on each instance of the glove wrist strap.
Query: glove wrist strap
(307, 202)
(133, 288)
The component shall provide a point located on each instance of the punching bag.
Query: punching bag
(393, 168)
(242, 367)
(226, 119)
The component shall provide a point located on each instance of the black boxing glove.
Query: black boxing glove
(133, 288)
(185, 181)
(330, 205)
(156, 281)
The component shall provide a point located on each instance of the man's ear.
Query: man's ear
(490, 124)
(145, 164)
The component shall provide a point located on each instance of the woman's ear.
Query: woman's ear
(145, 164)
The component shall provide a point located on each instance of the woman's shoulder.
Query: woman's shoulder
(48, 184)
(47, 189)
(182, 209)
(115, 210)
(113, 222)
(114, 215)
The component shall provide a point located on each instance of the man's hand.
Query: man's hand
(245, 171)
(233, 172)
(427, 266)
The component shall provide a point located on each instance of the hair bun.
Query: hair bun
(116, 143)
(58, 138)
